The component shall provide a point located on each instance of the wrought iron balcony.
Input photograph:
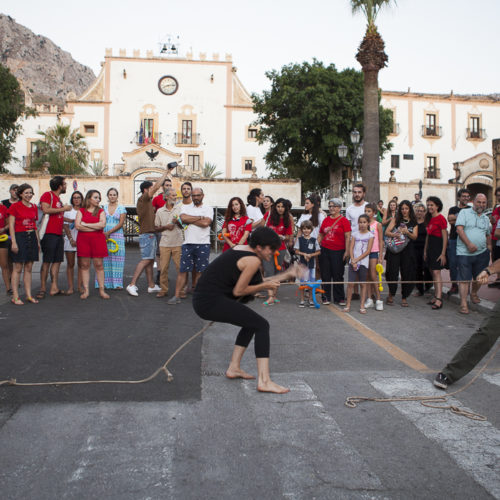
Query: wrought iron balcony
(186, 139)
(395, 129)
(432, 131)
(432, 174)
(142, 139)
(479, 134)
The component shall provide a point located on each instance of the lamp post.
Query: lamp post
(354, 161)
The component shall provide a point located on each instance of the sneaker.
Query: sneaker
(369, 303)
(311, 303)
(302, 304)
(324, 300)
(174, 300)
(154, 289)
(132, 290)
(342, 302)
(442, 381)
(379, 305)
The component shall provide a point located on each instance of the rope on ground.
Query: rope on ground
(429, 401)
(162, 368)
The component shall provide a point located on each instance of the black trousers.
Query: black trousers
(225, 310)
(401, 263)
(331, 263)
(422, 272)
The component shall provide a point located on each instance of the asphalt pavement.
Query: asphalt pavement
(204, 436)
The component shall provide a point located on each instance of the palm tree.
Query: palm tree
(210, 170)
(372, 58)
(65, 150)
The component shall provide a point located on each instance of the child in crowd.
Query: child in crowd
(360, 248)
(307, 248)
(376, 257)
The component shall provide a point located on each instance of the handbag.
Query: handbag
(396, 244)
(44, 220)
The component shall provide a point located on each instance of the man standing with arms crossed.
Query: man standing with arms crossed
(147, 235)
(196, 246)
(52, 243)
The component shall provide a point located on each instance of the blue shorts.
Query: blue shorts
(147, 242)
(194, 256)
(310, 276)
(469, 266)
(373, 255)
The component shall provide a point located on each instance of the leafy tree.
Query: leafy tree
(309, 111)
(64, 149)
(12, 107)
(372, 58)
(210, 170)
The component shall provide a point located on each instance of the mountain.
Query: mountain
(41, 67)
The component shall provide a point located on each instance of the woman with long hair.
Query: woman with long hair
(114, 263)
(422, 271)
(266, 206)
(389, 214)
(70, 237)
(402, 227)
(91, 242)
(4, 247)
(435, 246)
(255, 199)
(237, 225)
(280, 222)
(25, 244)
(313, 213)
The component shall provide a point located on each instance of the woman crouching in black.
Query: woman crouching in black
(226, 284)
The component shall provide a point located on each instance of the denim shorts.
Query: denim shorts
(147, 242)
(310, 276)
(470, 266)
(194, 256)
(373, 255)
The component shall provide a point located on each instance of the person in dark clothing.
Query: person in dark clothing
(226, 284)
(422, 271)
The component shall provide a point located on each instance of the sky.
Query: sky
(433, 46)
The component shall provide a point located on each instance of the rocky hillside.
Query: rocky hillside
(40, 66)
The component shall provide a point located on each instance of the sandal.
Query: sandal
(17, 302)
(432, 301)
(464, 310)
(435, 306)
(362, 310)
(405, 304)
(268, 303)
(474, 298)
(32, 300)
(389, 301)
(41, 294)
(346, 309)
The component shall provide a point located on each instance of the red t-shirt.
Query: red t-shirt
(335, 238)
(26, 217)
(281, 230)
(158, 202)
(56, 221)
(3, 215)
(436, 225)
(496, 216)
(236, 228)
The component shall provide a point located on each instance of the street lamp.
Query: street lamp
(356, 156)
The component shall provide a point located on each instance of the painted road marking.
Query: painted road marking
(492, 379)
(473, 445)
(382, 342)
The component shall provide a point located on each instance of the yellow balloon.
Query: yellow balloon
(380, 269)
(4, 237)
(115, 249)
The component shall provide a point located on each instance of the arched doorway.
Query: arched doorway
(144, 175)
(477, 188)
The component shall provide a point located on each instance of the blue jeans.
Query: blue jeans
(452, 259)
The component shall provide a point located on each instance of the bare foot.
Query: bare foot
(238, 373)
(270, 386)
(104, 295)
(70, 291)
(84, 295)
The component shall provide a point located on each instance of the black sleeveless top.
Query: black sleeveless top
(220, 277)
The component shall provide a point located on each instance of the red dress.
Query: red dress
(91, 244)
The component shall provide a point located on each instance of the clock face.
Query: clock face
(168, 85)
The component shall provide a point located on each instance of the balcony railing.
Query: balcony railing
(431, 131)
(476, 133)
(186, 139)
(395, 129)
(432, 174)
(142, 139)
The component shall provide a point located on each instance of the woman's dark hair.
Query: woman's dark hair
(253, 195)
(262, 209)
(56, 182)
(229, 210)
(437, 201)
(264, 237)
(112, 189)
(315, 210)
(86, 201)
(411, 213)
(73, 194)
(21, 188)
(275, 216)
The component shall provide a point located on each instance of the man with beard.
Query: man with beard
(196, 246)
(473, 248)
(52, 243)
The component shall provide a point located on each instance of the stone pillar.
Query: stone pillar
(496, 165)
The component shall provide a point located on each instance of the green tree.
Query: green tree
(372, 58)
(12, 108)
(64, 149)
(210, 170)
(308, 112)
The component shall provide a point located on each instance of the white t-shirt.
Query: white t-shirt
(194, 234)
(315, 231)
(254, 213)
(353, 212)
